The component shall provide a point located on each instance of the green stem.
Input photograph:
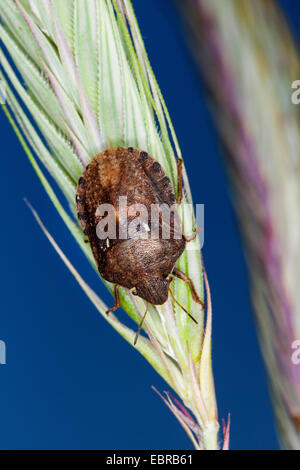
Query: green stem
(210, 436)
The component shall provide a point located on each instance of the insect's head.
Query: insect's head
(153, 289)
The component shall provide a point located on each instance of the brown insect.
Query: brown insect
(139, 263)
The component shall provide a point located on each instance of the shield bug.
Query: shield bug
(137, 261)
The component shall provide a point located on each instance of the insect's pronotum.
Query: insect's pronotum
(141, 264)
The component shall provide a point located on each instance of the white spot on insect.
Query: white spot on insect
(107, 243)
(146, 227)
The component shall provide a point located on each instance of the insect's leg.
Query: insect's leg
(297, 420)
(189, 238)
(117, 300)
(140, 325)
(185, 278)
(179, 181)
(188, 314)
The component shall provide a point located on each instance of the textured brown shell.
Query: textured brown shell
(141, 263)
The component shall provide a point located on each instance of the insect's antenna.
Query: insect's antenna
(176, 301)
(140, 325)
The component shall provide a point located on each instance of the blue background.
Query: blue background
(70, 381)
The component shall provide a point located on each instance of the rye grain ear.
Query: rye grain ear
(250, 48)
(82, 96)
